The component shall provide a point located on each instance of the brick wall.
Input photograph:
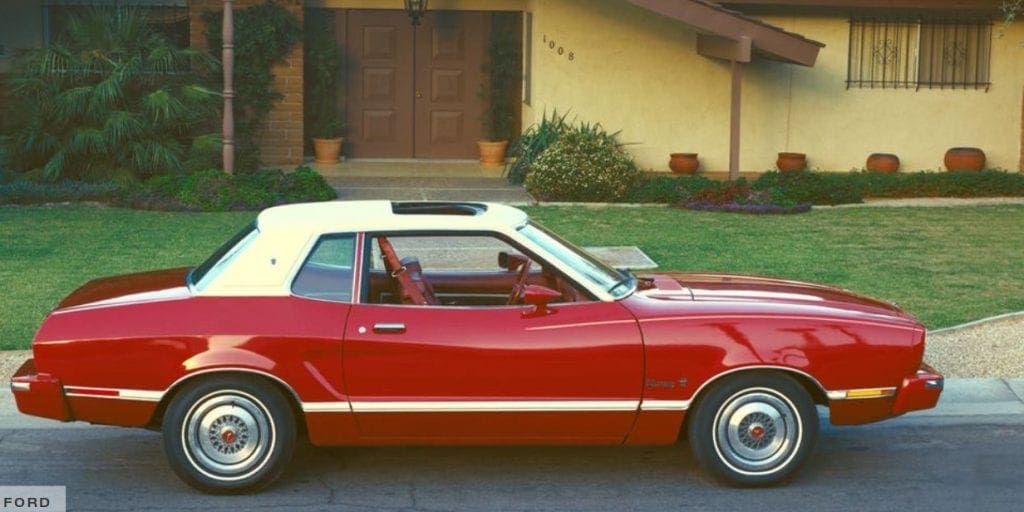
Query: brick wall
(281, 143)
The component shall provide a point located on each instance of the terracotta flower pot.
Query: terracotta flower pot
(965, 159)
(492, 154)
(886, 163)
(327, 151)
(791, 162)
(683, 163)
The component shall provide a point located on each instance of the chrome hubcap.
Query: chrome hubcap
(756, 431)
(228, 434)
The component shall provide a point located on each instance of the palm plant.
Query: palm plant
(532, 143)
(110, 96)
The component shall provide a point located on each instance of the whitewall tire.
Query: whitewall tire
(229, 434)
(754, 429)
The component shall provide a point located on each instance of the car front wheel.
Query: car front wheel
(229, 434)
(754, 429)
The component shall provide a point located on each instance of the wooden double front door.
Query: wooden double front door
(412, 91)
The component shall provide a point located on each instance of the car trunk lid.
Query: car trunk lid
(129, 288)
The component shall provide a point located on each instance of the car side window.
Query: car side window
(463, 270)
(450, 253)
(327, 272)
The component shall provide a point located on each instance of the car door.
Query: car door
(493, 373)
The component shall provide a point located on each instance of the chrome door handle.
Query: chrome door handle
(388, 328)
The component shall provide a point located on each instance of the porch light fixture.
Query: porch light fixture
(415, 9)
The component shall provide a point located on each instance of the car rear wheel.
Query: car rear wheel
(229, 434)
(754, 429)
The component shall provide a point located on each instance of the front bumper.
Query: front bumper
(917, 392)
(39, 394)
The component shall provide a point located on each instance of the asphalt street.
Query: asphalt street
(965, 455)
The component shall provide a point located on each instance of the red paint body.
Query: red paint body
(119, 364)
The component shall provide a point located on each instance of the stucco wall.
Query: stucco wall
(639, 72)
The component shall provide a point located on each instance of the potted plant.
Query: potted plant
(683, 163)
(964, 159)
(499, 89)
(791, 162)
(886, 163)
(323, 86)
(327, 141)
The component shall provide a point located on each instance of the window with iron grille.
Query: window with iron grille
(915, 53)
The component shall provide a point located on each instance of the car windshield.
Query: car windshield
(220, 256)
(616, 282)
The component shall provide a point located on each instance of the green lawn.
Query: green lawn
(946, 265)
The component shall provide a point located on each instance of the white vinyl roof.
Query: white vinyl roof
(369, 216)
(265, 263)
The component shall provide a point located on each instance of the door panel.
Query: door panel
(481, 374)
(380, 100)
(450, 48)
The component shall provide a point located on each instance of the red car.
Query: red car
(370, 323)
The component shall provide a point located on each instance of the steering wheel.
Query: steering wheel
(517, 289)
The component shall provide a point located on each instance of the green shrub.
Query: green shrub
(811, 187)
(531, 144)
(582, 166)
(323, 67)
(29, 192)
(852, 187)
(667, 189)
(538, 138)
(989, 183)
(110, 94)
(209, 190)
(499, 91)
(305, 184)
(215, 190)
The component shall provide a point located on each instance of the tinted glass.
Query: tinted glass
(327, 272)
(595, 270)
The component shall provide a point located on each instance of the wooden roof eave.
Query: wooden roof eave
(720, 27)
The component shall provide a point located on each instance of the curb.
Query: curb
(909, 202)
(973, 323)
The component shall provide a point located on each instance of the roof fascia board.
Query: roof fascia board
(772, 42)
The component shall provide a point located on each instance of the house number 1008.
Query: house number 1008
(560, 50)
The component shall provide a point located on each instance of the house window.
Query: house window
(168, 17)
(915, 53)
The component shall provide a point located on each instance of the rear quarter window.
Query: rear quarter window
(327, 272)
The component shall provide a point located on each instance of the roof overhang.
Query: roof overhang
(846, 7)
(730, 35)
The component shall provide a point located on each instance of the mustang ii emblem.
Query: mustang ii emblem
(655, 383)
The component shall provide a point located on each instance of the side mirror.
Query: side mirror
(540, 296)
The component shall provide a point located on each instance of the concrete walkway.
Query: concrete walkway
(421, 180)
(931, 202)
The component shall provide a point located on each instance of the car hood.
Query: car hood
(142, 286)
(744, 288)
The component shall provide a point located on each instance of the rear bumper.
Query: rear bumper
(920, 391)
(917, 392)
(39, 394)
